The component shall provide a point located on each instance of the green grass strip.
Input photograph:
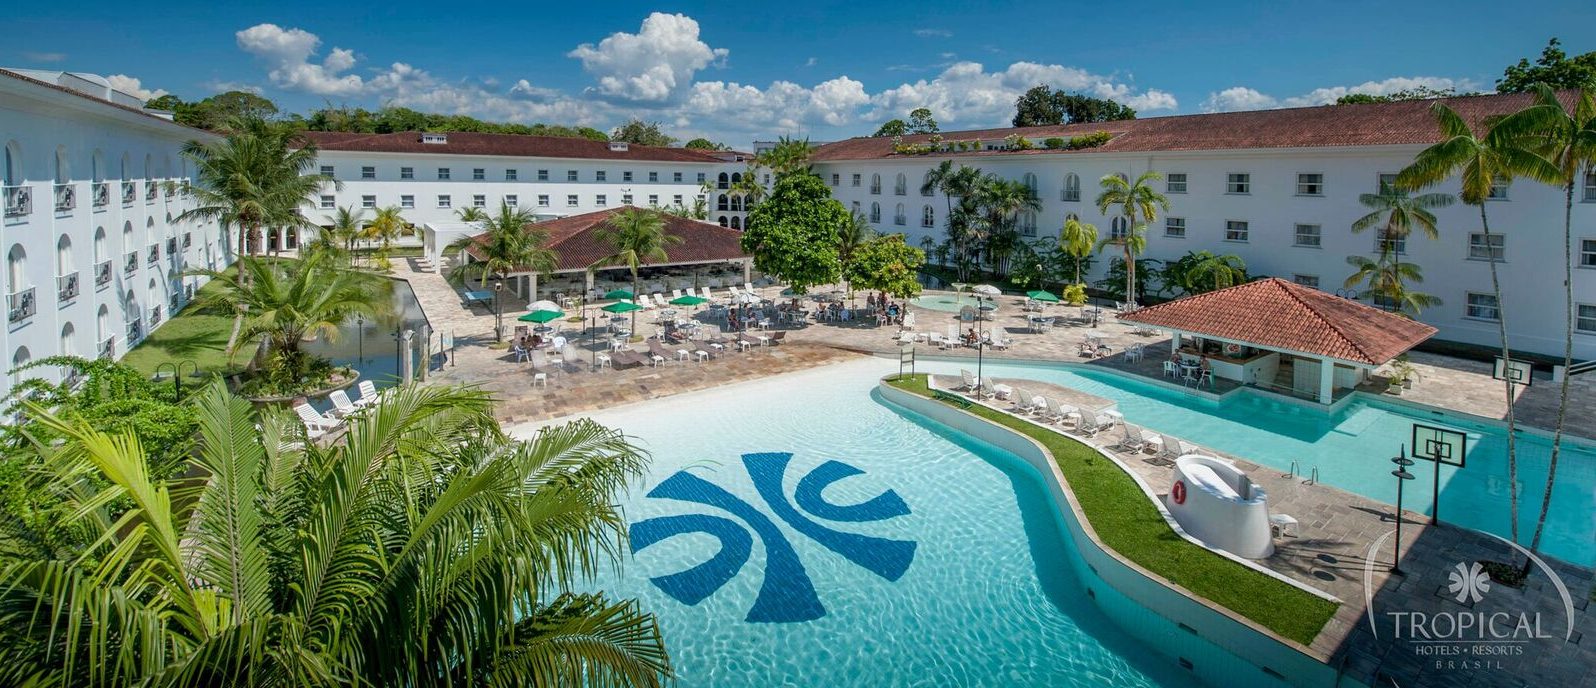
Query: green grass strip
(1126, 521)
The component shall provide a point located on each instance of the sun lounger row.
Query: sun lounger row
(318, 424)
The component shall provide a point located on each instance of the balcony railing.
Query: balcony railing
(171, 246)
(135, 331)
(22, 305)
(150, 191)
(102, 273)
(19, 201)
(130, 192)
(155, 316)
(131, 265)
(108, 348)
(66, 287)
(102, 194)
(66, 197)
(155, 254)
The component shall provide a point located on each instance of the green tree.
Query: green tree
(1385, 280)
(1138, 204)
(1078, 240)
(704, 144)
(426, 549)
(1415, 93)
(509, 242)
(886, 264)
(792, 235)
(857, 232)
(343, 228)
(386, 228)
(471, 214)
(892, 127)
(1041, 106)
(1002, 203)
(638, 132)
(636, 237)
(219, 112)
(921, 121)
(1199, 272)
(788, 156)
(957, 181)
(1554, 68)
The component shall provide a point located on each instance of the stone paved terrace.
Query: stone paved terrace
(1331, 548)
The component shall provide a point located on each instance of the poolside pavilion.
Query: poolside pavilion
(708, 255)
(1281, 336)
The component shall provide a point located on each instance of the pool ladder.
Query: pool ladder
(1313, 473)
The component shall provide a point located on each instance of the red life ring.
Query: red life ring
(1178, 493)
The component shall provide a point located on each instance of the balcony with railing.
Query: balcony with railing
(188, 239)
(130, 192)
(131, 265)
(170, 188)
(135, 331)
(176, 303)
(66, 287)
(108, 348)
(102, 194)
(21, 304)
(19, 201)
(155, 317)
(102, 273)
(155, 254)
(150, 191)
(66, 198)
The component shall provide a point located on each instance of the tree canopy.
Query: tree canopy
(1553, 68)
(886, 264)
(215, 112)
(892, 127)
(1041, 106)
(702, 143)
(641, 133)
(792, 234)
(921, 121)
(1415, 93)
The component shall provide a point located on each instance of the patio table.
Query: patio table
(481, 298)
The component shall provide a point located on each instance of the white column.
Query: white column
(1327, 378)
(1174, 342)
(532, 288)
(748, 270)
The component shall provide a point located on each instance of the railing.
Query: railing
(135, 331)
(155, 317)
(66, 197)
(102, 273)
(155, 254)
(177, 303)
(66, 287)
(102, 194)
(131, 265)
(171, 189)
(22, 305)
(19, 201)
(150, 191)
(130, 192)
(108, 348)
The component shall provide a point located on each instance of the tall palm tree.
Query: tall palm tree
(510, 242)
(1138, 202)
(1386, 280)
(470, 213)
(346, 226)
(637, 237)
(258, 176)
(425, 549)
(1002, 202)
(962, 226)
(1078, 239)
(850, 236)
(385, 228)
(1397, 214)
(1562, 140)
(1479, 163)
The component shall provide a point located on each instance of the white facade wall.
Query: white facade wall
(94, 148)
(1530, 218)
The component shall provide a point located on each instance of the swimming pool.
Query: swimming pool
(947, 303)
(834, 542)
(1352, 451)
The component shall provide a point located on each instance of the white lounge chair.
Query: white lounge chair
(1133, 441)
(1024, 403)
(368, 394)
(342, 406)
(1056, 412)
(1168, 450)
(1092, 423)
(970, 380)
(316, 424)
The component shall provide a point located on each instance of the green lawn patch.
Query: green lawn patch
(194, 334)
(1126, 521)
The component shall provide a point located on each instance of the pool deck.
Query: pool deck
(1330, 550)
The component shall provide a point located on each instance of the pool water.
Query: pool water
(945, 302)
(1352, 451)
(829, 540)
(368, 344)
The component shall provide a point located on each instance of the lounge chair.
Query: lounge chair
(658, 352)
(1168, 451)
(985, 390)
(368, 394)
(1133, 441)
(1024, 403)
(316, 424)
(1091, 423)
(1055, 412)
(969, 378)
(342, 406)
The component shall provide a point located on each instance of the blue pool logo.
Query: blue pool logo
(786, 595)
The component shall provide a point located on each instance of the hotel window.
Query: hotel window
(875, 213)
(767, 179)
(875, 185)
(478, 174)
(1498, 189)
(836, 179)
(444, 202)
(443, 173)
(1310, 236)
(1585, 318)
(1587, 253)
(327, 171)
(407, 173)
(900, 186)
(601, 200)
(856, 208)
(1117, 228)
(1175, 227)
(1590, 188)
(328, 202)
(1175, 183)
(511, 201)
(1306, 280)
(479, 201)
(1383, 244)
(928, 217)
(599, 176)
(626, 199)
(368, 173)
(368, 201)
(407, 201)
(676, 177)
(543, 200)
(1487, 247)
(1310, 184)
(543, 175)
(701, 177)
(1238, 183)
(570, 201)
(899, 217)
(510, 175)
(570, 175)
(1236, 230)
(1072, 188)
(653, 199)
(1386, 180)
(858, 180)
(653, 176)
(1482, 306)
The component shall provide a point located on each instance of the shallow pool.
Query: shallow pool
(945, 302)
(829, 540)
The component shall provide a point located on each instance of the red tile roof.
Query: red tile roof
(572, 239)
(1274, 313)
(513, 145)
(1373, 124)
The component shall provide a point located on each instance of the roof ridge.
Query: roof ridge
(1290, 289)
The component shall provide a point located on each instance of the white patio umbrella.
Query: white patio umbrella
(544, 305)
(986, 289)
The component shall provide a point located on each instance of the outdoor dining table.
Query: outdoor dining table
(481, 298)
(1040, 322)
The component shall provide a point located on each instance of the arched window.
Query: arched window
(1072, 188)
(900, 186)
(928, 216)
(13, 170)
(721, 202)
(926, 187)
(102, 324)
(1030, 181)
(898, 217)
(126, 163)
(736, 223)
(127, 237)
(736, 203)
(723, 181)
(16, 269)
(723, 222)
(1117, 228)
(149, 168)
(875, 213)
(68, 341)
(736, 178)
(875, 185)
(130, 307)
(19, 359)
(63, 256)
(1028, 224)
(99, 245)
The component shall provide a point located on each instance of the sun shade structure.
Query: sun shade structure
(541, 316)
(688, 301)
(1309, 326)
(618, 294)
(986, 290)
(1042, 295)
(621, 307)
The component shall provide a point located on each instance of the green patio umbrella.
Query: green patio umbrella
(621, 307)
(688, 301)
(1043, 295)
(541, 316)
(618, 294)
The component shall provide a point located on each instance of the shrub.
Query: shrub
(1053, 143)
(1074, 294)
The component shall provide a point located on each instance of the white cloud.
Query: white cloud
(933, 33)
(651, 66)
(132, 86)
(784, 105)
(44, 57)
(225, 86)
(1244, 98)
(967, 95)
(287, 54)
(811, 62)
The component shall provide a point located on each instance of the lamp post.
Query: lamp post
(1402, 475)
(498, 309)
(360, 338)
(980, 339)
(177, 375)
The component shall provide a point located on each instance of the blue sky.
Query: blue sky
(737, 71)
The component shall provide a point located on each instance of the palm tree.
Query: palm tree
(1002, 202)
(257, 177)
(850, 236)
(510, 242)
(1209, 272)
(471, 214)
(425, 549)
(1139, 204)
(1386, 281)
(960, 181)
(1397, 214)
(1078, 239)
(638, 236)
(1561, 141)
(386, 228)
(345, 226)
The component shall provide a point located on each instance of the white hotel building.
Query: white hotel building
(94, 257)
(1279, 188)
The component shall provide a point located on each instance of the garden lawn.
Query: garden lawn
(1126, 521)
(193, 334)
